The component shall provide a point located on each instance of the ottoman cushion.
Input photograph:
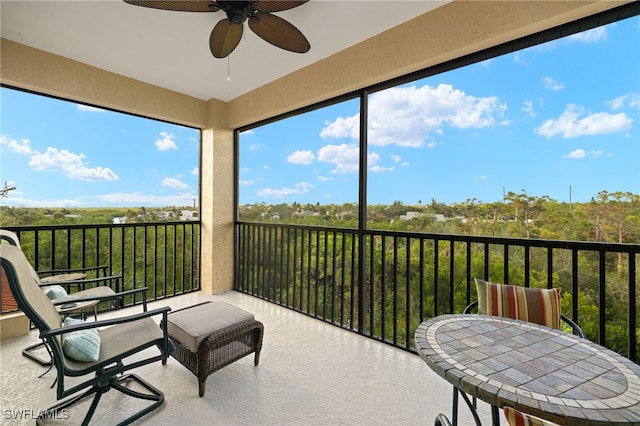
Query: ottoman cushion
(192, 326)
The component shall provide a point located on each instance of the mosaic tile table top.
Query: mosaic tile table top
(535, 369)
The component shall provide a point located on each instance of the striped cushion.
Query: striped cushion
(517, 418)
(537, 305)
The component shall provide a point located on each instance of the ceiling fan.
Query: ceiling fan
(227, 32)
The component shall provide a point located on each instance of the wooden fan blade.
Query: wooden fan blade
(279, 32)
(224, 38)
(276, 5)
(178, 5)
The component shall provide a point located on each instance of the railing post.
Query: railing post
(362, 212)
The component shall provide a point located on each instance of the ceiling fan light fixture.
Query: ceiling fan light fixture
(236, 15)
(226, 34)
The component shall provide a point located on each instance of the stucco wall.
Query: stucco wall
(32, 69)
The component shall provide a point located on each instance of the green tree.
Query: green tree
(621, 213)
(527, 208)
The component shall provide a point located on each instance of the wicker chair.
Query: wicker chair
(107, 370)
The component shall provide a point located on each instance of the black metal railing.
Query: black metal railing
(164, 257)
(382, 284)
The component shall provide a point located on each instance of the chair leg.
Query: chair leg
(115, 383)
(472, 406)
(28, 353)
(154, 395)
(58, 410)
(454, 414)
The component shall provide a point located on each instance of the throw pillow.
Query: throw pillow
(518, 418)
(81, 345)
(541, 306)
(54, 291)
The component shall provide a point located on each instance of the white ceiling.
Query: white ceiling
(171, 49)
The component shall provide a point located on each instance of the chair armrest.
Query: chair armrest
(470, 308)
(577, 330)
(113, 321)
(116, 296)
(49, 272)
(84, 281)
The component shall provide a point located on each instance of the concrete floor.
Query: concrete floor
(310, 373)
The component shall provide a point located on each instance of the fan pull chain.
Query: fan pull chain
(228, 68)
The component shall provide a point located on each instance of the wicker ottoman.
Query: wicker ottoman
(211, 335)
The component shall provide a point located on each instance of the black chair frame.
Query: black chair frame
(105, 374)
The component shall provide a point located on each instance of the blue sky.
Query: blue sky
(562, 115)
(557, 119)
(60, 154)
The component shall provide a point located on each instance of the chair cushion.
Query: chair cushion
(81, 345)
(541, 306)
(54, 291)
(518, 418)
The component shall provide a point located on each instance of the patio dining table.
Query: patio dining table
(535, 369)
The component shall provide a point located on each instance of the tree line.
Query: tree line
(607, 217)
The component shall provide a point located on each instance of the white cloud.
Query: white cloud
(166, 143)
(630, 99)
(342, 128)
(579, 153)
(137, 199)
(244, 182)
(114, 199)
(324, 179)
(398, 160)
(90, 108)
(255, 146)
(576, 153)
(617, 103)
(528, 108)
(174, 183)
(590, 36)
(405, 116)
(550, 83)
(301, 157)
(570, 124)
(195, 171)
(345, 157)
(299, 189)
(27, 202)
(71, 164)
(518, 58)
(379, 169)
(22, 146)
